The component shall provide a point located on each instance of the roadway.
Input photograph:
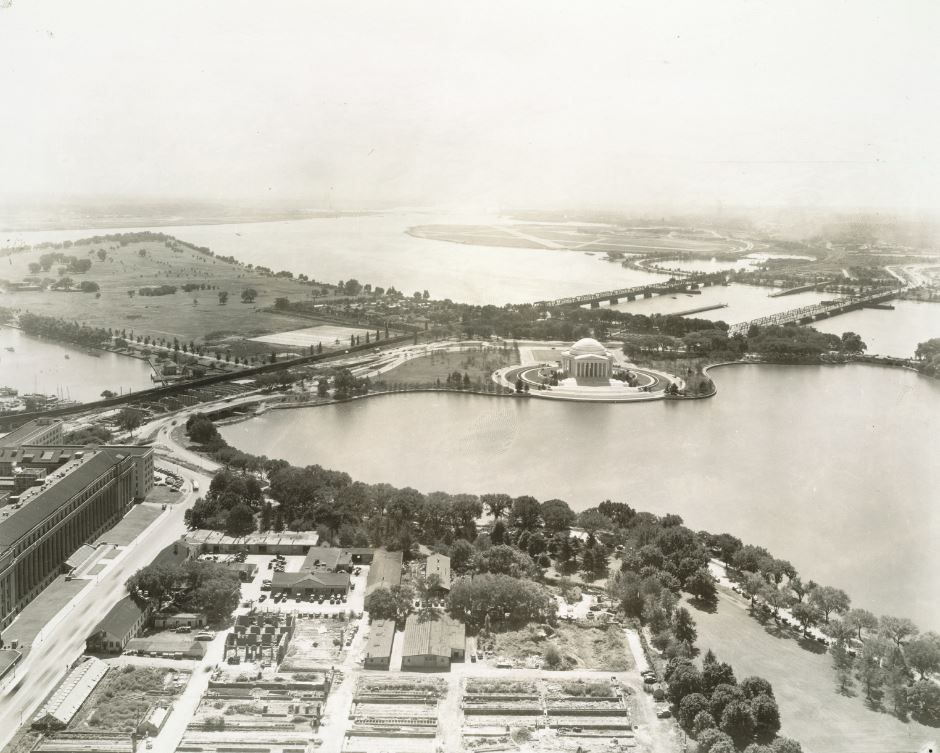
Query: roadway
(63, 641)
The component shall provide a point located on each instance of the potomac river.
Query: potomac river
(833, 467)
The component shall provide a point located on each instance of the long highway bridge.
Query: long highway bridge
(693, 282)
(809, 314)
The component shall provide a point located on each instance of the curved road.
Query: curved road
(63, 640)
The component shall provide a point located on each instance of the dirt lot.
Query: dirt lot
(317, 644)
(581, 646)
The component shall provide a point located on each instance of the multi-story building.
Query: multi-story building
(42, 524)
(42, 432)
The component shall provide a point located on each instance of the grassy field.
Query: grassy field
(478, 364)
(123, 698)
(811, 708)
(187, 316)
(581, 646)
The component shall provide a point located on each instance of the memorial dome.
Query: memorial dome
(588, 346)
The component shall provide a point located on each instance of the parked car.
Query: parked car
(663, 714)
(205, 635)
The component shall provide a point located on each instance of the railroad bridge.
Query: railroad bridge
(815, 312)
(685, 285)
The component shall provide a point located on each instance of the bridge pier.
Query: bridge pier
(647, 294)
(631, 298)
(614, 301)
(595, 304)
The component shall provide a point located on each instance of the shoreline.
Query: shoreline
(147, 223)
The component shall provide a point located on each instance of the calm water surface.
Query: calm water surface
(40, 366)
(782, 457)
(889, 333)
(376, 249)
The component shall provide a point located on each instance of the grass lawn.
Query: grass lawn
(477, 363)
(811, 708)
(188, 316)
(581, 646)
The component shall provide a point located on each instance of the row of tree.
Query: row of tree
(193, 586)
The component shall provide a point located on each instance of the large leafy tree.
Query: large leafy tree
(828, 600)
(923, 654)
(496, 505)
(861, 619)
(685, 680)
(498, 600)
(737, 721)
(766, 717)
(557, 515)
(390, 603)
(503, 559)
(898, 629)
(701, 585)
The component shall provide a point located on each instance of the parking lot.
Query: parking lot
(255, 595)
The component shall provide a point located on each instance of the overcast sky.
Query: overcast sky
(475, 104)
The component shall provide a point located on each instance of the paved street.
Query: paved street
(63, 640)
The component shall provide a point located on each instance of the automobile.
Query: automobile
(473, 658)
(649, 680)
(479, 654)
(205, 635)
(663, 714)
(262, 598)
(270, 565)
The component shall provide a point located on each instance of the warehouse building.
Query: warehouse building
(379, 646)
(433, 644)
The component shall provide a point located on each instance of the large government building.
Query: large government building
(53, 499)
(587, 359)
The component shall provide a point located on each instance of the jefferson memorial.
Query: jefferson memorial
(587, 359)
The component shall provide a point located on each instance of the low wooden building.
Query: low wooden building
(122, 624)
(379, 645)
(433, 644)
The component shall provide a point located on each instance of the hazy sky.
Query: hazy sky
(476, 104)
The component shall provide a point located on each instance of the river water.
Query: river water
(376, 249)
(39, 366)
(832, 468)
